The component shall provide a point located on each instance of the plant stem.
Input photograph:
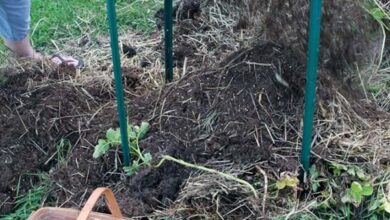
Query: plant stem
(225, 175)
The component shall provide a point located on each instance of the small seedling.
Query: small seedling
(113, 139)
(287, 180)
(353, 171)
(314, 174)
(338, 168)
(357, 192)
(329, 200)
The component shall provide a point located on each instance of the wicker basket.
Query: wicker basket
(86, 213)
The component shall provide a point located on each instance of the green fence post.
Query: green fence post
(168, 20)
(118, 80)
(311, 78)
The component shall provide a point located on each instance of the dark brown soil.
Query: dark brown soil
(128, 50)
(341, 45)
(216, 115)
(187, 9)
(211, 116)
(184, 9)
(39, 109)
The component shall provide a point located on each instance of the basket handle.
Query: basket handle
(110, 200)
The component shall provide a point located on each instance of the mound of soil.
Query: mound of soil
(204, 117)
(236, 113)
(39, 108)
(218, 113)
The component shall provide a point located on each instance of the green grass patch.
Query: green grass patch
(51, 20)
(31, 201)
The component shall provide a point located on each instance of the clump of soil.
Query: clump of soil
(187, 9)
(128, 50)
(184, 9)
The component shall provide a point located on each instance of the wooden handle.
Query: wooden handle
(110, 201)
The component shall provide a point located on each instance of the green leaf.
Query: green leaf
(360, 173)
(101, 148)
(292, 181)
(113, 136)
(356, 187)
(131, 170)
(143, 130)
(148, 158)
(351, 171)
(132, 135)
(325, 194)
(386, 206)
(358, 197)
(128, 170)
(280, 184)
(346, 198)
(314, 174)
(377, 13)
(129, 129)
(337, 168)
(287, 181)
(315, 186)
(374, 204)
(356, 192)
(133, 147)
(367, 189)
(374, 217)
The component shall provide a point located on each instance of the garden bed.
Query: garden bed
(238, 110)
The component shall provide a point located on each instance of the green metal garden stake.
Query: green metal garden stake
(168, 40)
(311, 78)
(118, 80)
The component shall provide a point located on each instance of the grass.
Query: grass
(64, 147)
(30, 201)
(57, 26)
(33, 199)
(51, 20)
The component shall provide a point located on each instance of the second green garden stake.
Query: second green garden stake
(311, 79)
(168, 20)
(118, 80)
